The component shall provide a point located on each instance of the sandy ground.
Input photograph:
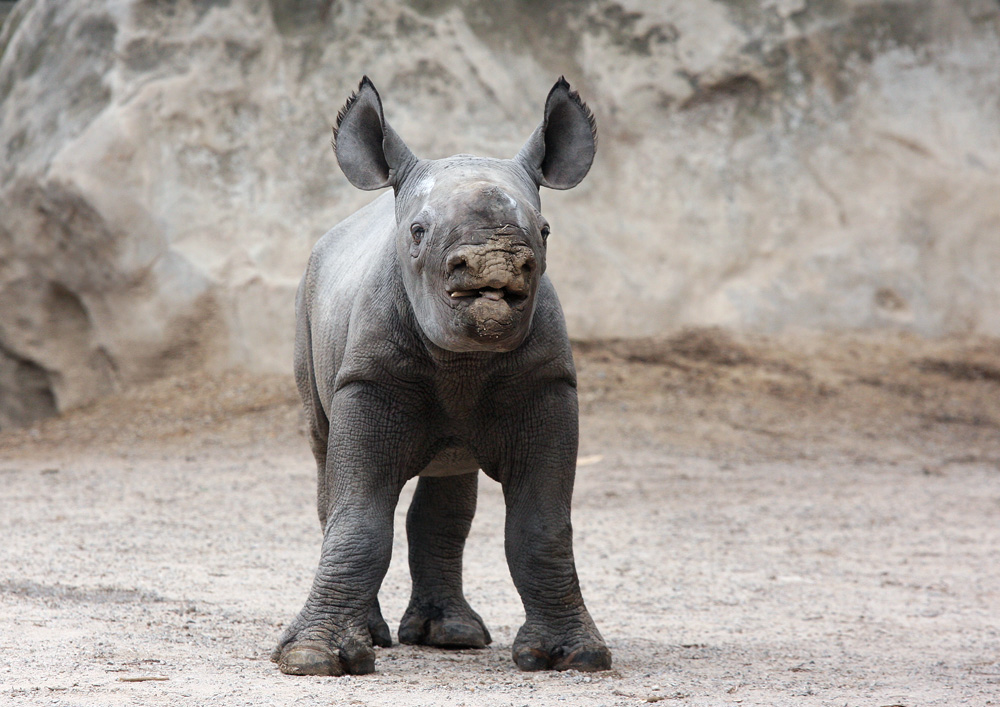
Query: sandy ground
(812, 520)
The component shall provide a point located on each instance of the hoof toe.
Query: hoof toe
(531, 659)
(380, 634)
(309, 659)
(378, 628)
(313, 658)
(457, 634)
(357, 657)
(586, 660)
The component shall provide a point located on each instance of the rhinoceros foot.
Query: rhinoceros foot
(582, 650)
(320, 658)
(452, 626)
(301, 652)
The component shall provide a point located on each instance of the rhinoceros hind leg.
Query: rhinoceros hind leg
(437, 525)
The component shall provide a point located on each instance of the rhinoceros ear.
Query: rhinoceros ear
(369, 151)
(559, 153)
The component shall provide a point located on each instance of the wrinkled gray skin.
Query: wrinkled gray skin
(430, 343)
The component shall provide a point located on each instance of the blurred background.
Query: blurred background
(770, 166)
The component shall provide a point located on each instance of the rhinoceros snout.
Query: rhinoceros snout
(506, 268)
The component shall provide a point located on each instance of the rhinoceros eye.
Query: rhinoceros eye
(417, 231)
(545, 231)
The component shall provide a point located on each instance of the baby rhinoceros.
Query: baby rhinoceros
(430, 343)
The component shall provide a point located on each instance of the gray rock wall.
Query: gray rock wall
(165, 166)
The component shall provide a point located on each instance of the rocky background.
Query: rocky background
(165, 166)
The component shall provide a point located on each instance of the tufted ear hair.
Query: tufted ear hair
(368, 150)
(559, 153)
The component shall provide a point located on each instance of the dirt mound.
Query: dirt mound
(806, 394)
(745, 395)
(703, 345)
(232, 406)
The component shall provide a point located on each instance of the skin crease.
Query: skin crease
(429, 342)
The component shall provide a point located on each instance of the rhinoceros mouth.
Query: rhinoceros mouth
(488, 293)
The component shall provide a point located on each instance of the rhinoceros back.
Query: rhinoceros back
(349, 263)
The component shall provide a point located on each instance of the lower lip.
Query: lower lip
(487, 300)
(473, 294)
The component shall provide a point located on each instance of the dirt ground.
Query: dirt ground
(804, 520)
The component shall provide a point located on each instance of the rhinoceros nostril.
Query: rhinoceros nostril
(527, 264)
(457, 261)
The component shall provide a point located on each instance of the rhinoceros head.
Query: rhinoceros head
(470, 236)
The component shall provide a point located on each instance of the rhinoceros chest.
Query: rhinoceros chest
(457, 400)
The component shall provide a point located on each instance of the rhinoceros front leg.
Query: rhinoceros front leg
(437, 525)
(371, 447)
(558, 633)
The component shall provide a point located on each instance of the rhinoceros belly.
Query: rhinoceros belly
(451, 461)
